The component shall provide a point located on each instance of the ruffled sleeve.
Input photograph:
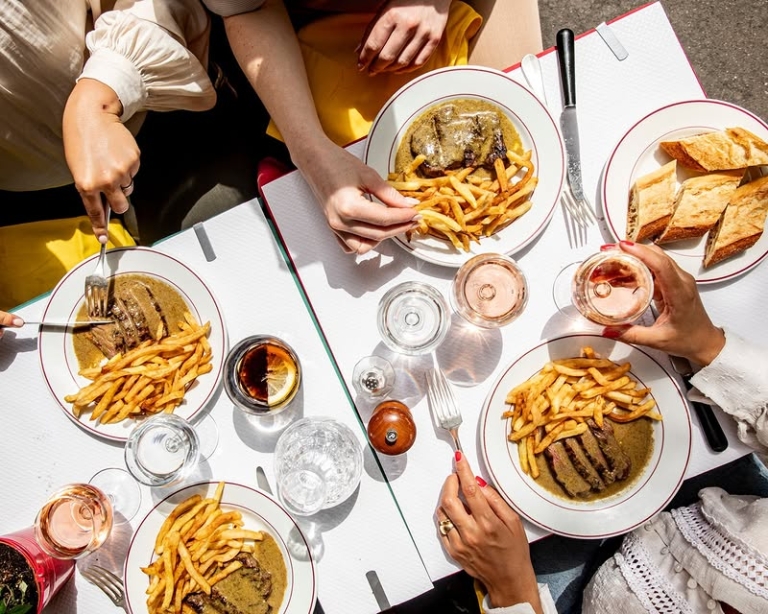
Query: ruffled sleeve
(147, 68)
(736, 381)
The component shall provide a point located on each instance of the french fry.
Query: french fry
(558, 401)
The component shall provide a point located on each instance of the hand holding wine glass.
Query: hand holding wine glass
(683, 327)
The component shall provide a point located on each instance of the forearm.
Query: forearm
(268, 51)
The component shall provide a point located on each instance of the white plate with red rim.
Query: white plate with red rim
(538, 132)
(648, 493)
(57, 354)
(638, 153)
(260, 512)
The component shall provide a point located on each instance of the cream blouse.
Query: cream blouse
(152, 53)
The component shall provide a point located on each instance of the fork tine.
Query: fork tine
(107, 581)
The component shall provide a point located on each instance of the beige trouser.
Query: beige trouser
(511, 28)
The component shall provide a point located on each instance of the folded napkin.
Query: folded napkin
(35, 256)
(347, 100)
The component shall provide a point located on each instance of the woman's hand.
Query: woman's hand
(8, 320)
(340, 182)
(403, 35)
(101, 152)
(683, 327)
(488, 540)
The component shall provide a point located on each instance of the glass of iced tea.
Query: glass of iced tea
(612, 288)
(75, 520)
(413, 318)
(262, 375)
(489, 290)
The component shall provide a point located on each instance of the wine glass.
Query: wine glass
(75, 520)
(262, 375)
(489, 290)
(610, 288)
(318, 465)
(413, 318)
(121, 490)
(164, 449)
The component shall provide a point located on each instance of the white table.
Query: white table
(42, 449)
(344, 292)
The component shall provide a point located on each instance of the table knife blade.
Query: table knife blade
(569, 124)
(712, 430)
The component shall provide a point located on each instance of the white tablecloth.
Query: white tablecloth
(42, 449)
(344, 292)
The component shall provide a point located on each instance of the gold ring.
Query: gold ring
(445, 526)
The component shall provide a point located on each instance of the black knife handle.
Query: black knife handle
(567, 60)
(711, 427)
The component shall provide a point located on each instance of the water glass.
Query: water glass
(318, 464)
(413, 318)
(23, 559)
(489, 290)
(162, 450)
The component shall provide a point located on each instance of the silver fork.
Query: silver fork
(96, 286)
(575, 222)
(107, 582)
(443, 405)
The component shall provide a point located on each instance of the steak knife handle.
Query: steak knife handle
(567, 61)
(712, 430)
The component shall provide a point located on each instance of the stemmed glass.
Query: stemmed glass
(164, 449)
(489, 290)
(121, 490)
(74, 521)
(609, 288)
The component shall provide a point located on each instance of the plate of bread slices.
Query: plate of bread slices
(692, 177)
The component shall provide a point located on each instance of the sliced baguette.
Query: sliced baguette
(732, 148)
(700, 202)
(651, 201)
(741, 224)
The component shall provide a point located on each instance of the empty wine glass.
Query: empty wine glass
(610, 288)
(489, 290)
(413, 318)
(75, 520)
(318, 465)
(164, 449)
(121, 490)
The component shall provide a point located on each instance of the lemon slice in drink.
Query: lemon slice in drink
(281, 375)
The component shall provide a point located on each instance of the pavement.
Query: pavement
(724, 40)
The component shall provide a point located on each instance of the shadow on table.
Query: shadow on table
(11, 345)
(261, 433)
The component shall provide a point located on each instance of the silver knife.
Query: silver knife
(262, 481)
(568, 120)
(70, 324)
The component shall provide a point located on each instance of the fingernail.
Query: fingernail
(412, 201)
(607, 246)
(480, 481)
(627, 243)
(613, 332)
(103, 239)
(17, 321)
(458, 455)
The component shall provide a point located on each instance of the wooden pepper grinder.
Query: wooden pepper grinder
(391, 429)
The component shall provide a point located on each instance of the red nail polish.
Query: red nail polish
(607, 246)
(627, 243)
(480, 481)
(613, 332)
(458, 455)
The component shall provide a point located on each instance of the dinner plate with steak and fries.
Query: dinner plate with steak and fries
(162, 349)
(585, 436)
(693, 177)
(479, 152)
(219, 546)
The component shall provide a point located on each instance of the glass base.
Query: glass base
(561, 289)
(208, 434)
(122, 490)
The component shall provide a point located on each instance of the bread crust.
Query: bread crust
(741, 224)
(732, 148)
(699, 204)
(651, 203)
